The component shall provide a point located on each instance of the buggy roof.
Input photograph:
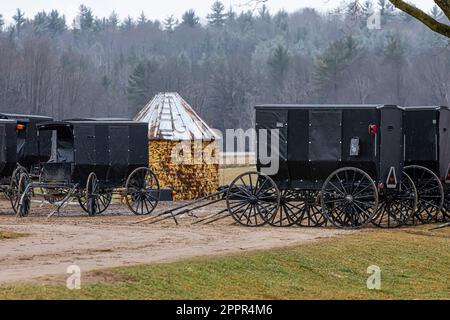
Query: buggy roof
(425, 108)
(98, 119)
(58, 124)
(324, 106)
(24, 117)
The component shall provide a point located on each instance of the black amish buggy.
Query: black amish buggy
(91, 159)
(427, 159)
(342, 164)
(21, 151)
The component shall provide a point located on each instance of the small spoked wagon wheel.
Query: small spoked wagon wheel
(397, 208)
(24, 202)
(349, 198)
(430, 192)
(104, 200)
(310, 214)
(13, 193)
(253, 199)
(289, 211)
(92, 194)
(142, 191)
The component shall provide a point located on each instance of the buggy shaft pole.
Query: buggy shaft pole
(182, 206)
(442, 226)
(210, 216)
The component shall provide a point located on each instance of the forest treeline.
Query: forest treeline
(222, 64)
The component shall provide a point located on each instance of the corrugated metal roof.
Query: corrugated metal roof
(170, 117)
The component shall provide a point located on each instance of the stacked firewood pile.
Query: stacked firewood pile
(190, 168)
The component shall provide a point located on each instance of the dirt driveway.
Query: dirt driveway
(55, 243)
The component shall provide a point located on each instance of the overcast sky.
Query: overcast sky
(155, 9)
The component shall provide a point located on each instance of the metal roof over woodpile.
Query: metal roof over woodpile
(170, 117)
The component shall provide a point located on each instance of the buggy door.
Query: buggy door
(272, 133)
(84, 137)
(444, 142)
(391, 144)
(2, 146)
(119, 152)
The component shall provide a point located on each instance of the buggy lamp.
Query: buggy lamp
(20, 127)
(373, 129)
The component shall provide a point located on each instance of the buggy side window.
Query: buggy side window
(62, 145)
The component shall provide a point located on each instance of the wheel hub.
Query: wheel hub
(349, 198)
(253, 200)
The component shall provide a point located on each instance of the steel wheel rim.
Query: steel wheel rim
(311, 215)
(398, 209)
(23, 208)
(430, 193)
(14, 192)
(253, 199)
(289, 210)
(349, 198)
(104, 200)
(140, 187)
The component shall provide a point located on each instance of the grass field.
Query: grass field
(414, 264)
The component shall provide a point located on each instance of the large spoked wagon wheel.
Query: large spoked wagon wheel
(289, 210)
(104, 200)
(142, 190)
(397, 208)
(13, 193)
(311, 211)
(92, 194)
(430, 192)
(253, 199)
(51, 195)
(24, 202)
(349, 198)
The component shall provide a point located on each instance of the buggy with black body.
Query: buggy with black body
(21, 151)
(427, 159)
(90, 159)
(337, 163)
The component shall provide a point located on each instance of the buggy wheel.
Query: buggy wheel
(310, 214)
(289, 211)
(349, 198)
(24, 202)
(92, 195)
(430, 192)
(142, 190)
(397, 208)
(253, 199)
(13, 193)
(104, 200)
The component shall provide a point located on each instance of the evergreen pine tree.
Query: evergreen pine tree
(142, 19)
(330, 65)
(190, 19)
(218, 16)
(170, 23)
(19, 19)
(86, 18)
(140, 86)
